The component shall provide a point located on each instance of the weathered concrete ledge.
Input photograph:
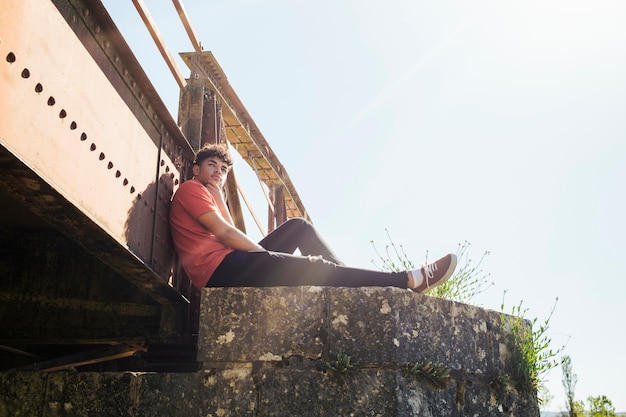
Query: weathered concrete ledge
(275, 351)
(375, 325)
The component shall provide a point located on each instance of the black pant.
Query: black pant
(277, 266)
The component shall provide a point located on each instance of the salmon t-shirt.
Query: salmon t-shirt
(199, 250)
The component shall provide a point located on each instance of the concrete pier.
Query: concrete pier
(307, 351)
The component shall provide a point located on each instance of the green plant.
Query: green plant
(394, 260)
(601, 406)
(570, 379)
(467, 282)
(343, 363)
(531, 350)
(500, 383)
(433, 372)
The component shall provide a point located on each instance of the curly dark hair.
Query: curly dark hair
(217, 150)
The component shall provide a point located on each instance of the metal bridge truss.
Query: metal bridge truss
(90, 159)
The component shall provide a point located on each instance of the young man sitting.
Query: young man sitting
(214, 253)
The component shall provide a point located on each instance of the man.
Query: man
(214, 253)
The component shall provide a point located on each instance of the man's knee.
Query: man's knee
(299, 222)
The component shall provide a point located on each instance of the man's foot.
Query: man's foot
(433, 274)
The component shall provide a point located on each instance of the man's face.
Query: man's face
(211, 170)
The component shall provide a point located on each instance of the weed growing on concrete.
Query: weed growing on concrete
(500, 382)
(467, 282)
(343, 363)
(532, 354)
(432, 372)
(394, 259)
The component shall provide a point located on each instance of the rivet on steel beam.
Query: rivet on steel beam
(125, 182)
(11, 57)
(51, 101)
(62, 114)
(25, 73)
(110, 165)
(92, 147)
(117, 174)
(83, 136)
(73, 125)
(38, 88)
(101, 156)
(132, 189)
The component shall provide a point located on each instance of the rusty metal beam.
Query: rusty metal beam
(87, 145)
(251, 210)
(232, 199)
(84, 358)
(191, 110)
(278, 202)
(197, 46)
(81, 305)
(21, 184)
(142, 9)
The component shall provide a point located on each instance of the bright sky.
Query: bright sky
(496, 122)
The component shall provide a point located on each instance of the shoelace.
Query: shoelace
(429, 272)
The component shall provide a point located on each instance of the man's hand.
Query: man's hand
(217, 191)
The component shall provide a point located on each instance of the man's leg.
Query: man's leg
(273, 269)
(298, 233)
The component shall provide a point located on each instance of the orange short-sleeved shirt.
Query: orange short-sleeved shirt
(199, 250)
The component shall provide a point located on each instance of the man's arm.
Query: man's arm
(228, 234)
